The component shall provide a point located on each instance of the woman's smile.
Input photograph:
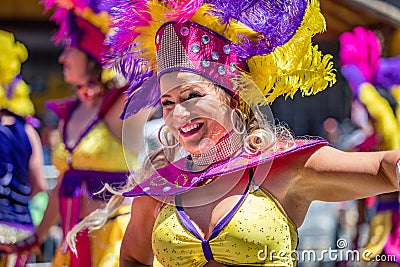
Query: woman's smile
(190, 129)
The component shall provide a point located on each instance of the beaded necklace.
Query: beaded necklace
(225, 148)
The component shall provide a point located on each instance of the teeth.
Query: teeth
(189, 128)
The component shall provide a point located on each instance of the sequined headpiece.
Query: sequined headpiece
(268, 42)
(82, 24)
(198, 50)
(14, 92)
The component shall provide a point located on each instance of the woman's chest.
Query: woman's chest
(236, 237)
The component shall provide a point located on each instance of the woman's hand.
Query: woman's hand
(28, 245)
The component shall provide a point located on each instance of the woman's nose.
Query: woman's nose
(180, 112)
(61, 58)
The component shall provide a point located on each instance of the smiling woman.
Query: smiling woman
(242, 183)
(193, 113)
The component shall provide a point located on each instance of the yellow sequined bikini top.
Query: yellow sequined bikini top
(97, 148)
(257, 232)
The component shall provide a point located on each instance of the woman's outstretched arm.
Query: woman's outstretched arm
(333, 175)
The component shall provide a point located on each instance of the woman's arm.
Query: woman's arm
(36, 173)
(333, 175)
(51, 215)
(136, 247)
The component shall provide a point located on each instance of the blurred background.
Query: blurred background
(325, 114)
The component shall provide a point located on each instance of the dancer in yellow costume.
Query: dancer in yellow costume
(229, 188)
(375, 81)
(90, 151)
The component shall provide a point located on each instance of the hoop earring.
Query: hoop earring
(242, 118)
(160, 140)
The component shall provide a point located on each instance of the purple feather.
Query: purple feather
(145, 95)
(278, 21)
(388, 72)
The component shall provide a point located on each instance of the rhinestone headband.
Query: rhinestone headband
(227, 146)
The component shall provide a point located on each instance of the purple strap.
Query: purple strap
(187, 223)
(207, 250)
(82, 135)
(105, 106)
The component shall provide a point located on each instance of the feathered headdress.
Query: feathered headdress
(361, 48)
(14, 92)
(82, 24)
(267, 41)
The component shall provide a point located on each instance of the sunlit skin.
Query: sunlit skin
(74, 63)
(196, 115)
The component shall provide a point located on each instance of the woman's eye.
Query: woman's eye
(194, 95)
(167, 103)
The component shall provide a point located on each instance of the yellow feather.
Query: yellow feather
(382, 114)
(12, 55)
(395, 91)
(20, 103)
(100, 20)
(232, 31)
(297, 64)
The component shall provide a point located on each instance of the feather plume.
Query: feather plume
(388, 72)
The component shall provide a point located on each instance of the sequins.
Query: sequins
(205, 39)
(184, 31)
(194, 179)
(232, 67)
(181, 180)
(158, 181)
(205, 63)
(221, 70)
(157, 39)
(227, 49)
(166, 189)
(195, 48)
(215, 56)
(146, 189)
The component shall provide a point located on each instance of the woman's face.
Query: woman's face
(75, 66)
(197, 114)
